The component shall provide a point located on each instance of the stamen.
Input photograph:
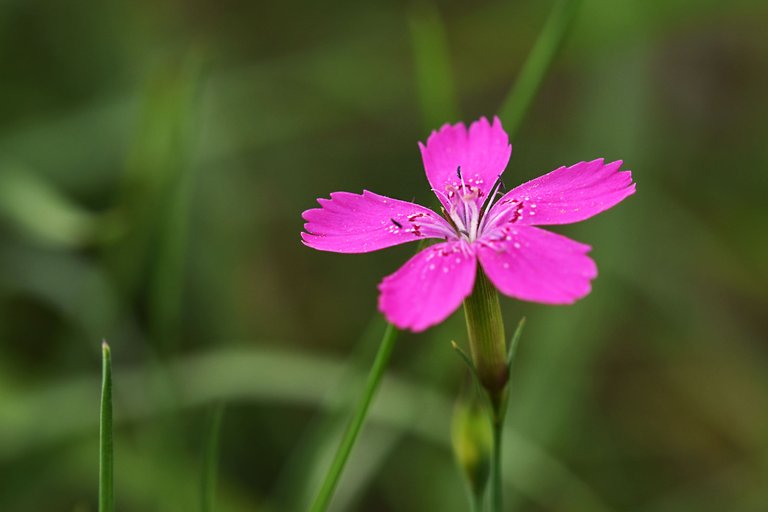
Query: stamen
(443, 194)
(474, 219)
(489, 203)
(457, 221)
(466, 206)
(462, 196)
(501, 182)
(515, 208)
(461, 177)
(429, 224)
(447, 217)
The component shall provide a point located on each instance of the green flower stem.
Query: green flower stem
(106, 462)
(496, 482)
(485, 328)
(475, 503)
(331, 480)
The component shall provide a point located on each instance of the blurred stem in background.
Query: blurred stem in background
(304, 469)
(434, 77)
(550, 40)
(146, 237)
(211, 459)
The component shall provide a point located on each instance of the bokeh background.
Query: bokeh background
(155, 158)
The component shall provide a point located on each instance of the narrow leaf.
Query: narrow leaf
(106, 461)
(355, 425)
(537, 64)
(470, 365)
(512, 350)
(435, 80)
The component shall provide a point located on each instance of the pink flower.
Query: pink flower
(464, 169)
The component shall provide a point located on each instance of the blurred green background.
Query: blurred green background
(155, 158)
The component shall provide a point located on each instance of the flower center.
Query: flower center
(465, 200)
(464, 211)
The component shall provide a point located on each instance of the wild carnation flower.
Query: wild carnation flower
(464, 169)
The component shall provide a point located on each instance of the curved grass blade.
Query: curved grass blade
(551, 38)
(512, 112)
(434, 77)
(356, 423)
(304, 468)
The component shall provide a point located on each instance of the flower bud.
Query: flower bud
(472, 442)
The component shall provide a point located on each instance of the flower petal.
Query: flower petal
(429, 287)
(355, 223)
(533, 264)
(565, 195)
(482, 153)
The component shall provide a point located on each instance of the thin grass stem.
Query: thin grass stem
(434, 76)
(106, 460)
(535, 68)
(352, 431)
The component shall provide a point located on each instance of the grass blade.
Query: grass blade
(434, 77)
(106, 460)
(355, 425)
(305, 467)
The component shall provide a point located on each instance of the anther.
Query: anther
(500, 181)
(396, 223)
(458, 172)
